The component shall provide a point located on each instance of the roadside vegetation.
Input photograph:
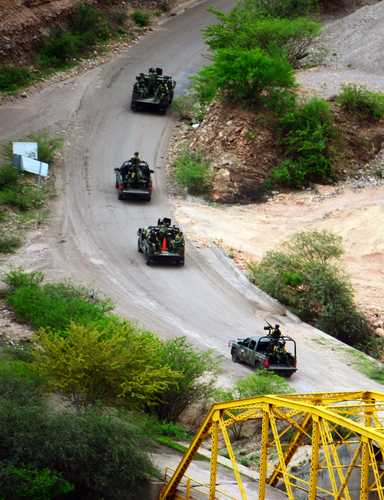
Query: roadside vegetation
(141, 18)
(372, 368)
(306, 275)
(361, 102)
(255, 49)
(259, 383)
(89, 28)
(21, 198)
(193, 172)
(111, 387)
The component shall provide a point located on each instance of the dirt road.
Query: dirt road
(91, 236)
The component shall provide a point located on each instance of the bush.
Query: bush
(362, 102)
(244, 74)
(100, 455)
(116, 365)
(47, 146)
(17, 483)
(242, 29)
(259, 383)
(52, 306)
(197, 372)
(9, 176)
(285, 8)
(89, 20)
(193, 172)
(13, 78)
(89, 26)
(188, 107)
(9, 243)
(305, 276)
(18, 383)
(141, 18)
(305, 134)
(23, 197)
(59, 49)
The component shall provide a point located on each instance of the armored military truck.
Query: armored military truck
(153, 91)
(274, 352)
(161, 243)
(133, 180)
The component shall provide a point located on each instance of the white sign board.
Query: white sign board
(34, 166)
(28, 149)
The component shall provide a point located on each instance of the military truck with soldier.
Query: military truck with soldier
(161, 243)
(133, 179)
(274, 352)
(153, 90)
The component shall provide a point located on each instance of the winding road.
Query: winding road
(91, 236)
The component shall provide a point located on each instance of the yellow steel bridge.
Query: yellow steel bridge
(343, 431)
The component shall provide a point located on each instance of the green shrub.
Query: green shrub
(17, 483)
(89, 20)
(17, 278)
(13, 77)
(52, 306)
(189, 108)
(362, 102)
(18, 383)
(197, 372)
(285, 8)
(259, 383)
(9, 243)
(240, 29)
(100, 455)
(155, 429)
(305, 134)
(193, 172)
(116, 365)
(89, 26)
(47, 146)
(23, 197)
(141, 18)
(59, 49)
(244, 74)
(9, 176)
(305, 276)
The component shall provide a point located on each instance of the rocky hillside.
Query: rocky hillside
(25, 22)
(243, 148)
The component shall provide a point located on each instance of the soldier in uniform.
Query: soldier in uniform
(276, 332)
(124, 169)
(178, 241)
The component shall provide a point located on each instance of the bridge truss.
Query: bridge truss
(342, 432)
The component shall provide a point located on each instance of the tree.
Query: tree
(197, 373)
(241, 28)
(305, 275)
(114, 364)
(244, 74)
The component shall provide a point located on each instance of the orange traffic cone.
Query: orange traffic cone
(164, 247)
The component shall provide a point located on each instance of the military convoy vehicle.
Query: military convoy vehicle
(153, 90)
(133, 180)
(161, 243)
(274, 352)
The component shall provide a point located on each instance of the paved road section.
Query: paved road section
(91, 237)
